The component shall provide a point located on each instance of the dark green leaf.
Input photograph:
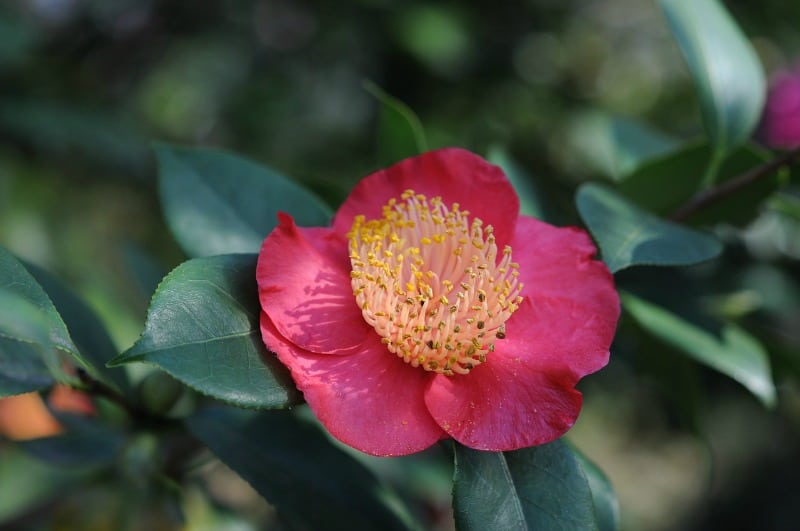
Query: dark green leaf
(87, 443)
(400, 133)
(217, 203)
(87, 332)
(629, 236)
(665, 184)
(530, 198)
(22, 368)
(313, 484)
(542, 487)
(31, 301)
(606, 507)
(203, 329)
(731, 350)
(21, 319)
(725, 68)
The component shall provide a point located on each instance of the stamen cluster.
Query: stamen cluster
(428, 280)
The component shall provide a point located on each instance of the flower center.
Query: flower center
(429, 281)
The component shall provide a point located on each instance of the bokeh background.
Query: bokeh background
(87, 85)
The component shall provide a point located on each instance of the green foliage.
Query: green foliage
(219, 203)
(293, 465)
(543, 487)
(400, 133)
(203, 329)
(22, 368)
(85, 329)
(664, 184)
(29, 315)
(725, 68)
(629, 236)
(729, 350)
(606, 506)
(531, 202)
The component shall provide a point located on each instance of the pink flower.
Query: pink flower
(780, 123)
(432, 309)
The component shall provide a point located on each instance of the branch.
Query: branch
(723, 190)
(98, 388)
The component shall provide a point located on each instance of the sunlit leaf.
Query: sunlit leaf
(542, 487)
(400, 133)
(629, 236)
(203, 328)
(312, 484)
(729, 350)
(217, 203)
(725, 68)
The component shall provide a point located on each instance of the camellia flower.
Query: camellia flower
(780, 123)
(432, 309)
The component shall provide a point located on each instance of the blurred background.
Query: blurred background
(87, 85)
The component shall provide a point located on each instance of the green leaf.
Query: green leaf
(218, 203)
(313, 484)
(725, 68)
(730, 350)
(87, 332)
(400, 133)
(617, 146)
(26, 299)
(606, 506)
(22, 368)
(629, 236)
(87, 443)
(530, 198)
(203, 328)
(665, 184)
(542, 487)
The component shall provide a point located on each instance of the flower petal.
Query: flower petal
(575, 306)
(504, 404)
(524, 394)
(369, 400)
(304, 285)
(456, 175)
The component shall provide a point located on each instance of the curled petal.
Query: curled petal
(369, 400)
(304, 285)
(456, 175)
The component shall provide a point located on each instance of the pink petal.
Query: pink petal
(304, 285)
(564, 282)
(524, 394)
(456, 175)
(504, 404)
(369, 400)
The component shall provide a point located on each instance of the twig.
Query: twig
(712, 195)
(98, 388)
